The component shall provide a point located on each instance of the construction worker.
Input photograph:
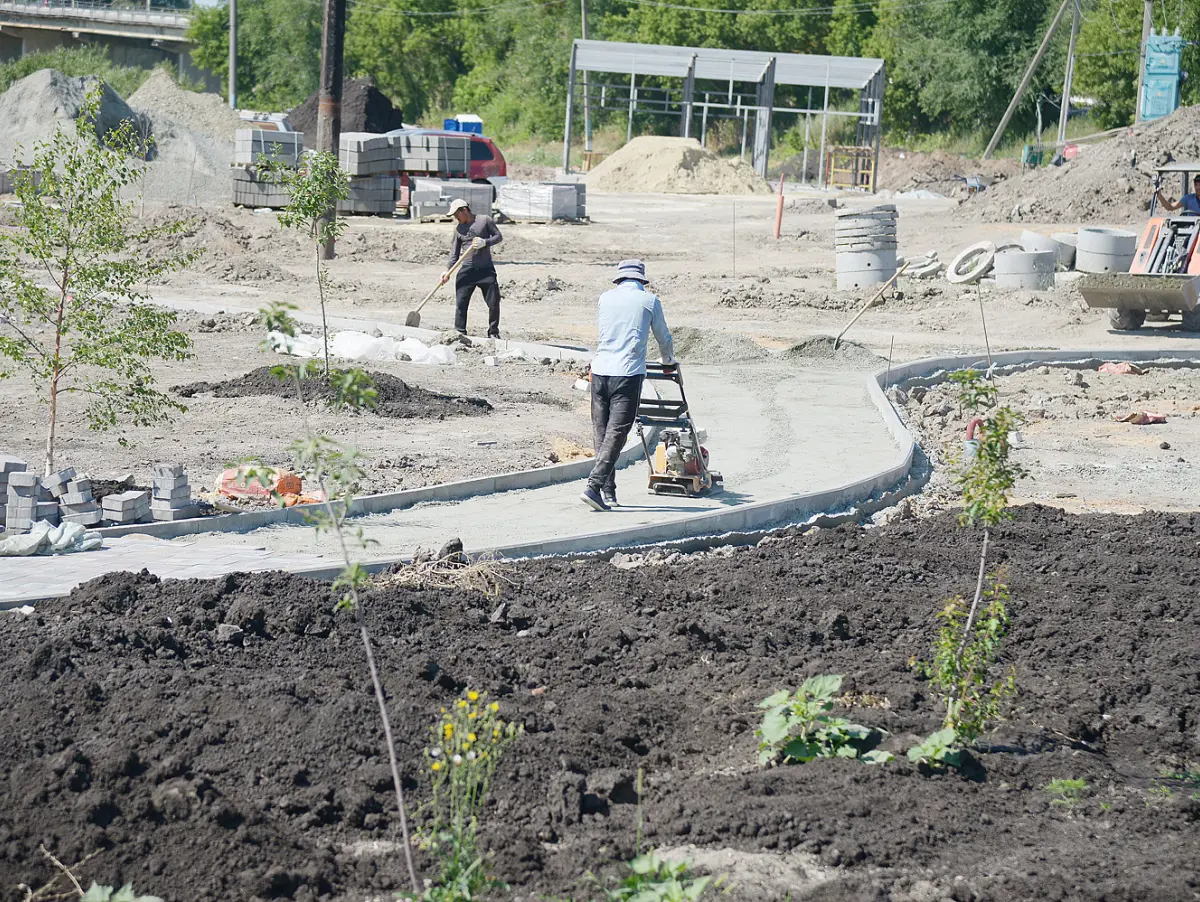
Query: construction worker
(627, 315)
(1189, 202)
(480, 235)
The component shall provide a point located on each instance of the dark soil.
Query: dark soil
(219, 770)
(364, 109)
(395, 397)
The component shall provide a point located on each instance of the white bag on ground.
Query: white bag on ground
(46, 539)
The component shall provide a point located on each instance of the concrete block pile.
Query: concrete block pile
(363, 154)
(375, 195)
(251, 145)
(28, 502)
(77, 504)
(8, 466)
(172, 495)
(431, 197)
(249, 190)
(126, 507)
(542, 202)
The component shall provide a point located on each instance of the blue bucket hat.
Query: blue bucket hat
(631, 269)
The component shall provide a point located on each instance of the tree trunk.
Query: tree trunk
(978, 594)
(53, 423)
(324, 322)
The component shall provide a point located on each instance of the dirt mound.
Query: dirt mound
(1109, 182)
(36, 105)
(908, 170)
(247, 761)
(395, 398)
(160, 98)
(714, 346)
(364, 109)
(651, 164)
(821, 352)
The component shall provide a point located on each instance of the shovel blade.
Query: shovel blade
(413, 319)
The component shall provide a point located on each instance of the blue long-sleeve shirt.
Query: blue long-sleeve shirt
(627, 316)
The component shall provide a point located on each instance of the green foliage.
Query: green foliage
(75, 61)
(97, 893)
(89, 331)
(1067, 793)
(937, 750)
(468, 743)
(986, 477)
(314, 190)
(964, 659)
(652, 878)
(799, 726)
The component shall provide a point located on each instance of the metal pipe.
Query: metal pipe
(566, 159)
(824, 122)
(587, 108)
(704, 122)
(807, 123)
(233, 54)
(745, 123)
(1064, 112)
(632, 103)
(1147, 28)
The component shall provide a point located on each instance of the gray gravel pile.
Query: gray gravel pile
(33, 107)
(161, 99)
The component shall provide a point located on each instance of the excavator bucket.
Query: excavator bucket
(1135, 291)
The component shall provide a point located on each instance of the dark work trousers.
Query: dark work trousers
(614, 408)
(464, 287)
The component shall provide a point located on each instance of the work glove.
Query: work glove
(445, 277)
(478, 244)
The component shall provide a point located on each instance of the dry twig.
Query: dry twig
(487, 576)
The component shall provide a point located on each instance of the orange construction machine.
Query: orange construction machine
(1164, 277)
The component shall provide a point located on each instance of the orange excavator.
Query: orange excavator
(1164, 277)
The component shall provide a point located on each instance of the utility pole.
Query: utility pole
(1065, 110)
(329, 100)
(1037, 58)
(1147, 28)
(233, 54)
(587, 99)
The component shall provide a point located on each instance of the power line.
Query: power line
(812, 11)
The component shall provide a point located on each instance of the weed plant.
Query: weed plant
(1065, 792)
(799, 726)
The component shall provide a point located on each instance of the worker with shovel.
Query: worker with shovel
(627, 316)
(475, 235)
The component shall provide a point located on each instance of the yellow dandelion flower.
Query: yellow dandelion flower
(473, 695)
(494, 707)
(471, 737)
(472, 715)
(437, 765)
(495, 731)
(448, 729)
(462, 703)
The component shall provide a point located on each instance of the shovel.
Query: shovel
(414, 316)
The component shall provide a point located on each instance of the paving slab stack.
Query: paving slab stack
(364, 154)
(250, 188)
(251, 145)
(126, 507)
(542, 201)
(1104, 250)
(76, 504)
(28, 502)
(8, 466)
(865, 246)
(375, 196)
(432, 197)
(172, 494)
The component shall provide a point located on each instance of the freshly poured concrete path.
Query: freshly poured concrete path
(774, 431)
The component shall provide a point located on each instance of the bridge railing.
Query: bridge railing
(99, 12)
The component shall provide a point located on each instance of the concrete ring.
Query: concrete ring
(972, 263)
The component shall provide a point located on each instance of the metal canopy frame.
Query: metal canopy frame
(763, 70)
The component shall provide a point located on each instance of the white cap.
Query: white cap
(458, 204)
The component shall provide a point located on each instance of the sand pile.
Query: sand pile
(657, 165)
(161, 100)
(819, 351)
(1108, 182)
(33, 107)
(364, 109)
(714, 346)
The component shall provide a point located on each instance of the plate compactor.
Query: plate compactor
(679, 464)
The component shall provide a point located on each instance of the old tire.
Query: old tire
(1191, 320)
(1127, 320)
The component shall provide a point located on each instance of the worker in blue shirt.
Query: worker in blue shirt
(627, 316)
(1189, 202)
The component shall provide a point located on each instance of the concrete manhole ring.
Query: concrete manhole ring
(972, 263)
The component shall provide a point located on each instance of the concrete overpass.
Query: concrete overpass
(141, 36)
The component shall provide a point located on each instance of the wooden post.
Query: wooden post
(329, 100)
(1147, 28)
(1012, 106)
(1065, 111)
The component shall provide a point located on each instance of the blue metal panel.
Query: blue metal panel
(1160, 78)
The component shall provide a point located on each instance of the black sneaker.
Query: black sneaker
(592, 499)
(610, 497)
